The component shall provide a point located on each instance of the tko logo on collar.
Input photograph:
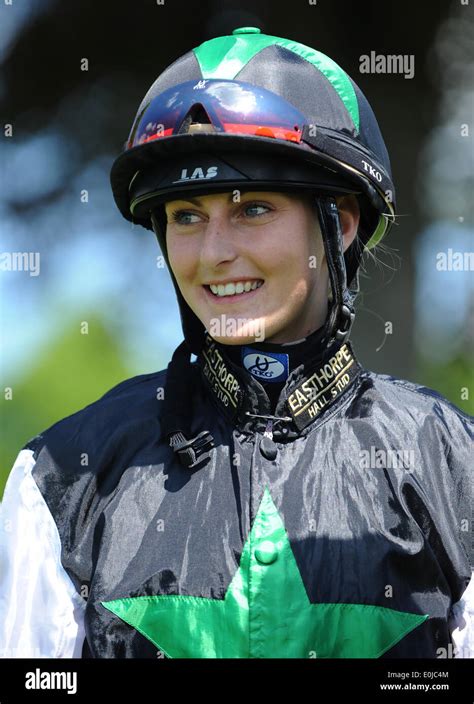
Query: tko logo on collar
(323, 386)
(265, 366)
(221, 380)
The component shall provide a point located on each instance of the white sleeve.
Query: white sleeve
(462, 623)
(41, 613)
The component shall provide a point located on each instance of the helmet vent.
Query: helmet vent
(196, 115)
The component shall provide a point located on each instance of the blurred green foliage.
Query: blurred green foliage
(453, 379)
(71, 372)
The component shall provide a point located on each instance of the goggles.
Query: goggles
(232, 107)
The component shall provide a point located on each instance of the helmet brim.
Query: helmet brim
(128, 168)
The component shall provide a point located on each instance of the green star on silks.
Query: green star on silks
(265, 613)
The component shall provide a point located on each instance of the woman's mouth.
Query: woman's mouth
(232, 292)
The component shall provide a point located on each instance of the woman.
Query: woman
(271, 498)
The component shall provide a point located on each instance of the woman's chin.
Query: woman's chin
(233, 340)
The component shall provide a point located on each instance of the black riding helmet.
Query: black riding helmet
(255, 112)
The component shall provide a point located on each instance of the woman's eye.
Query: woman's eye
(183, 217)
(254, 207)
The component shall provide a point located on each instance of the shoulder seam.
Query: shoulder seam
(139, 378)
(421, 390)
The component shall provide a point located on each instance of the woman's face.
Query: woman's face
(265, 239)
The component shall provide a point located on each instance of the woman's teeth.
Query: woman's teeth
(233, 288)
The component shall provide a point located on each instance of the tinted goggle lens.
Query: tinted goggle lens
(233, 107)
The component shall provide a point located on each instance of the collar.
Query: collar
(311, 388)
(272, 363)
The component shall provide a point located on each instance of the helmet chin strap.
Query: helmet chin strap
(341, 314)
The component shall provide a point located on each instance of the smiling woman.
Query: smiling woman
(231, 253)
(271, 498)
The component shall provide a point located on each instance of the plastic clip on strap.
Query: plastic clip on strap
(345, 324)
(342, 313)
(191, 452)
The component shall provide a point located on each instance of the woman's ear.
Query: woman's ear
(349, 214)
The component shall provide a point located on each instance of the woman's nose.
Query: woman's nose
(218, 242)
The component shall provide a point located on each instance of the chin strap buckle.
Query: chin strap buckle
(347, 316)
(192, 452)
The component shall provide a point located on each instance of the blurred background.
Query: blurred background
(100, 310)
